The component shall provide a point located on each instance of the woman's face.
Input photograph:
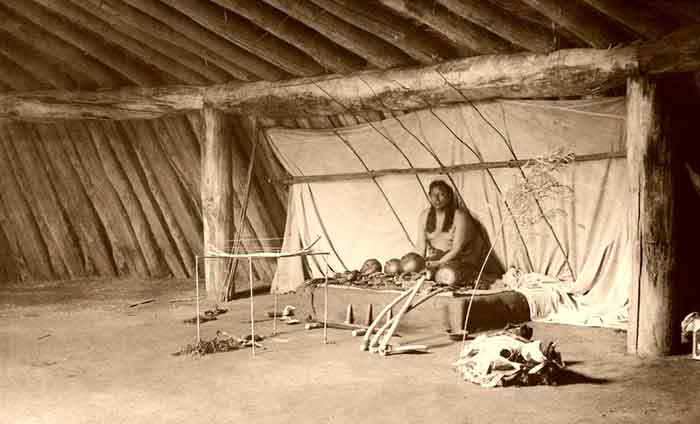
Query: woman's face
(439, 197)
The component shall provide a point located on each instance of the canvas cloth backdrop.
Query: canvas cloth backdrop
(583, 247)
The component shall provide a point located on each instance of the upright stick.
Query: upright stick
(476, 286)
(325, 305)
(196, 291)
(252, 316)
(274, 316)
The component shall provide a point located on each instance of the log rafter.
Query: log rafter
(257, 67)
(135, 18)
(680, 9)
(17, 78)
(33, 62)
(322, 50)
(247, 36)
(420, 45)
(528, 14)
(505, 25)
(50, 45)
(581, 20)
(640, 19)
(572, 72)
(173, 53)
(373, 49)
(454, 28)
(137, 73)
(138, 49)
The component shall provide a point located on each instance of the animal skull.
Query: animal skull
(370, 267)
(412, 262)
(392, 266)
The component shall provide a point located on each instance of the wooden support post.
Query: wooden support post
(651, 230)
(217, 208)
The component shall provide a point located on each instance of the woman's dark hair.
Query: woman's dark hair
(449, 209)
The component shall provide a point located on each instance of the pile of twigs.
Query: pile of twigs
(221, 343)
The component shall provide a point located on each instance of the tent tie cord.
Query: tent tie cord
(386, 137)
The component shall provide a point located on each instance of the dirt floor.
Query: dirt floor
(75, 352)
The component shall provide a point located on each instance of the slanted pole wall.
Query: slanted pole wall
(651, 227)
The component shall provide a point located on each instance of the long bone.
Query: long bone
(365, 340)
(395, 320)
(375, 338)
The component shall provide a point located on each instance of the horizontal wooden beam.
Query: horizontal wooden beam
(128, 103)
(444, 170)
(572, 72)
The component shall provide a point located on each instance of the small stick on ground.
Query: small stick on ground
(141, 302)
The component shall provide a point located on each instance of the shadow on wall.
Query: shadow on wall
(494, 264)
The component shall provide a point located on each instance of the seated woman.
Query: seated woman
(449, 238)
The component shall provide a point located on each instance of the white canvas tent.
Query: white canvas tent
(583, 246)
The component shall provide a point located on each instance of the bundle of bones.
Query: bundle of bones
(377, 337)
